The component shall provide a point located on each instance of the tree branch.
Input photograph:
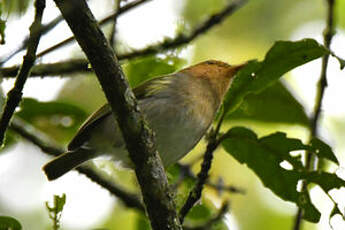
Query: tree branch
(321, 86)
(102, 22)
(44, 29)
(202, 176)
(14, 96)
(195, 194)
(138, 137)
(185, 172)
(182, 39)
(82, 64)
(113, 28)
(51, 69)
(47, 146)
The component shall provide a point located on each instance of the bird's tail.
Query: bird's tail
(66, 162)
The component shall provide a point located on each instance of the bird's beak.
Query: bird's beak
(235, 68)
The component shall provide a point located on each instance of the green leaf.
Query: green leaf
(281, 58)
(265, 155)
(58, 119)
(274, 104)
(15, 6)
(327, 181)
(31, 109)
(59, 202)
(7, 222)
(322, 150)
(55, 211)
(205, 216)
(139, 70)
(175, 173)
(200, 212)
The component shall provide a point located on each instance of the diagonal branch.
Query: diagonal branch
(113, 28)
(51, 69)
(102, 22)
(196, 192)
(149, 170)
(47, 146)
(44, 29)
(186, 172)
(14, 96)
(81, 65)
(182, 39)
(321, 86)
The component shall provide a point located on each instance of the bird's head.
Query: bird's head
(218, 74)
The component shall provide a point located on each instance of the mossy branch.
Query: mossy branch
(138, 137)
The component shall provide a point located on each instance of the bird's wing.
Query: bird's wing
(144, 90)
(86, 128)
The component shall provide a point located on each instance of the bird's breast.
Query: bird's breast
(178, 125)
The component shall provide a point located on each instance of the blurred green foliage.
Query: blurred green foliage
(245, 35)
(55, 211)
(58, 119)
(265, 155)
(273, 105)
(15, 6)
(143, 69)
(183, 183)
(202, 213)
(7, 222)
(340, 16)
(256, 76)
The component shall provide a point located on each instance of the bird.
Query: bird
(179, 107)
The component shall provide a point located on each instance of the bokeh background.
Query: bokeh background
(246, 35)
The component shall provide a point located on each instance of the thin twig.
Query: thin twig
(102, 22)
(48, 146)
(186, 172)
(182, 39)
(14, 96)
(44, 29)
(82, 64)
(321, 86)
(113, 28)
(195, 194)
(36, 137)
(51, 69)
(168, 44)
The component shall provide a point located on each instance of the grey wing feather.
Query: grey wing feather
(146, 89)
(85, 130)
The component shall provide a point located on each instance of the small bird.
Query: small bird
(179, 108)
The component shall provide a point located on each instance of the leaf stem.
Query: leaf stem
(321, 86)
